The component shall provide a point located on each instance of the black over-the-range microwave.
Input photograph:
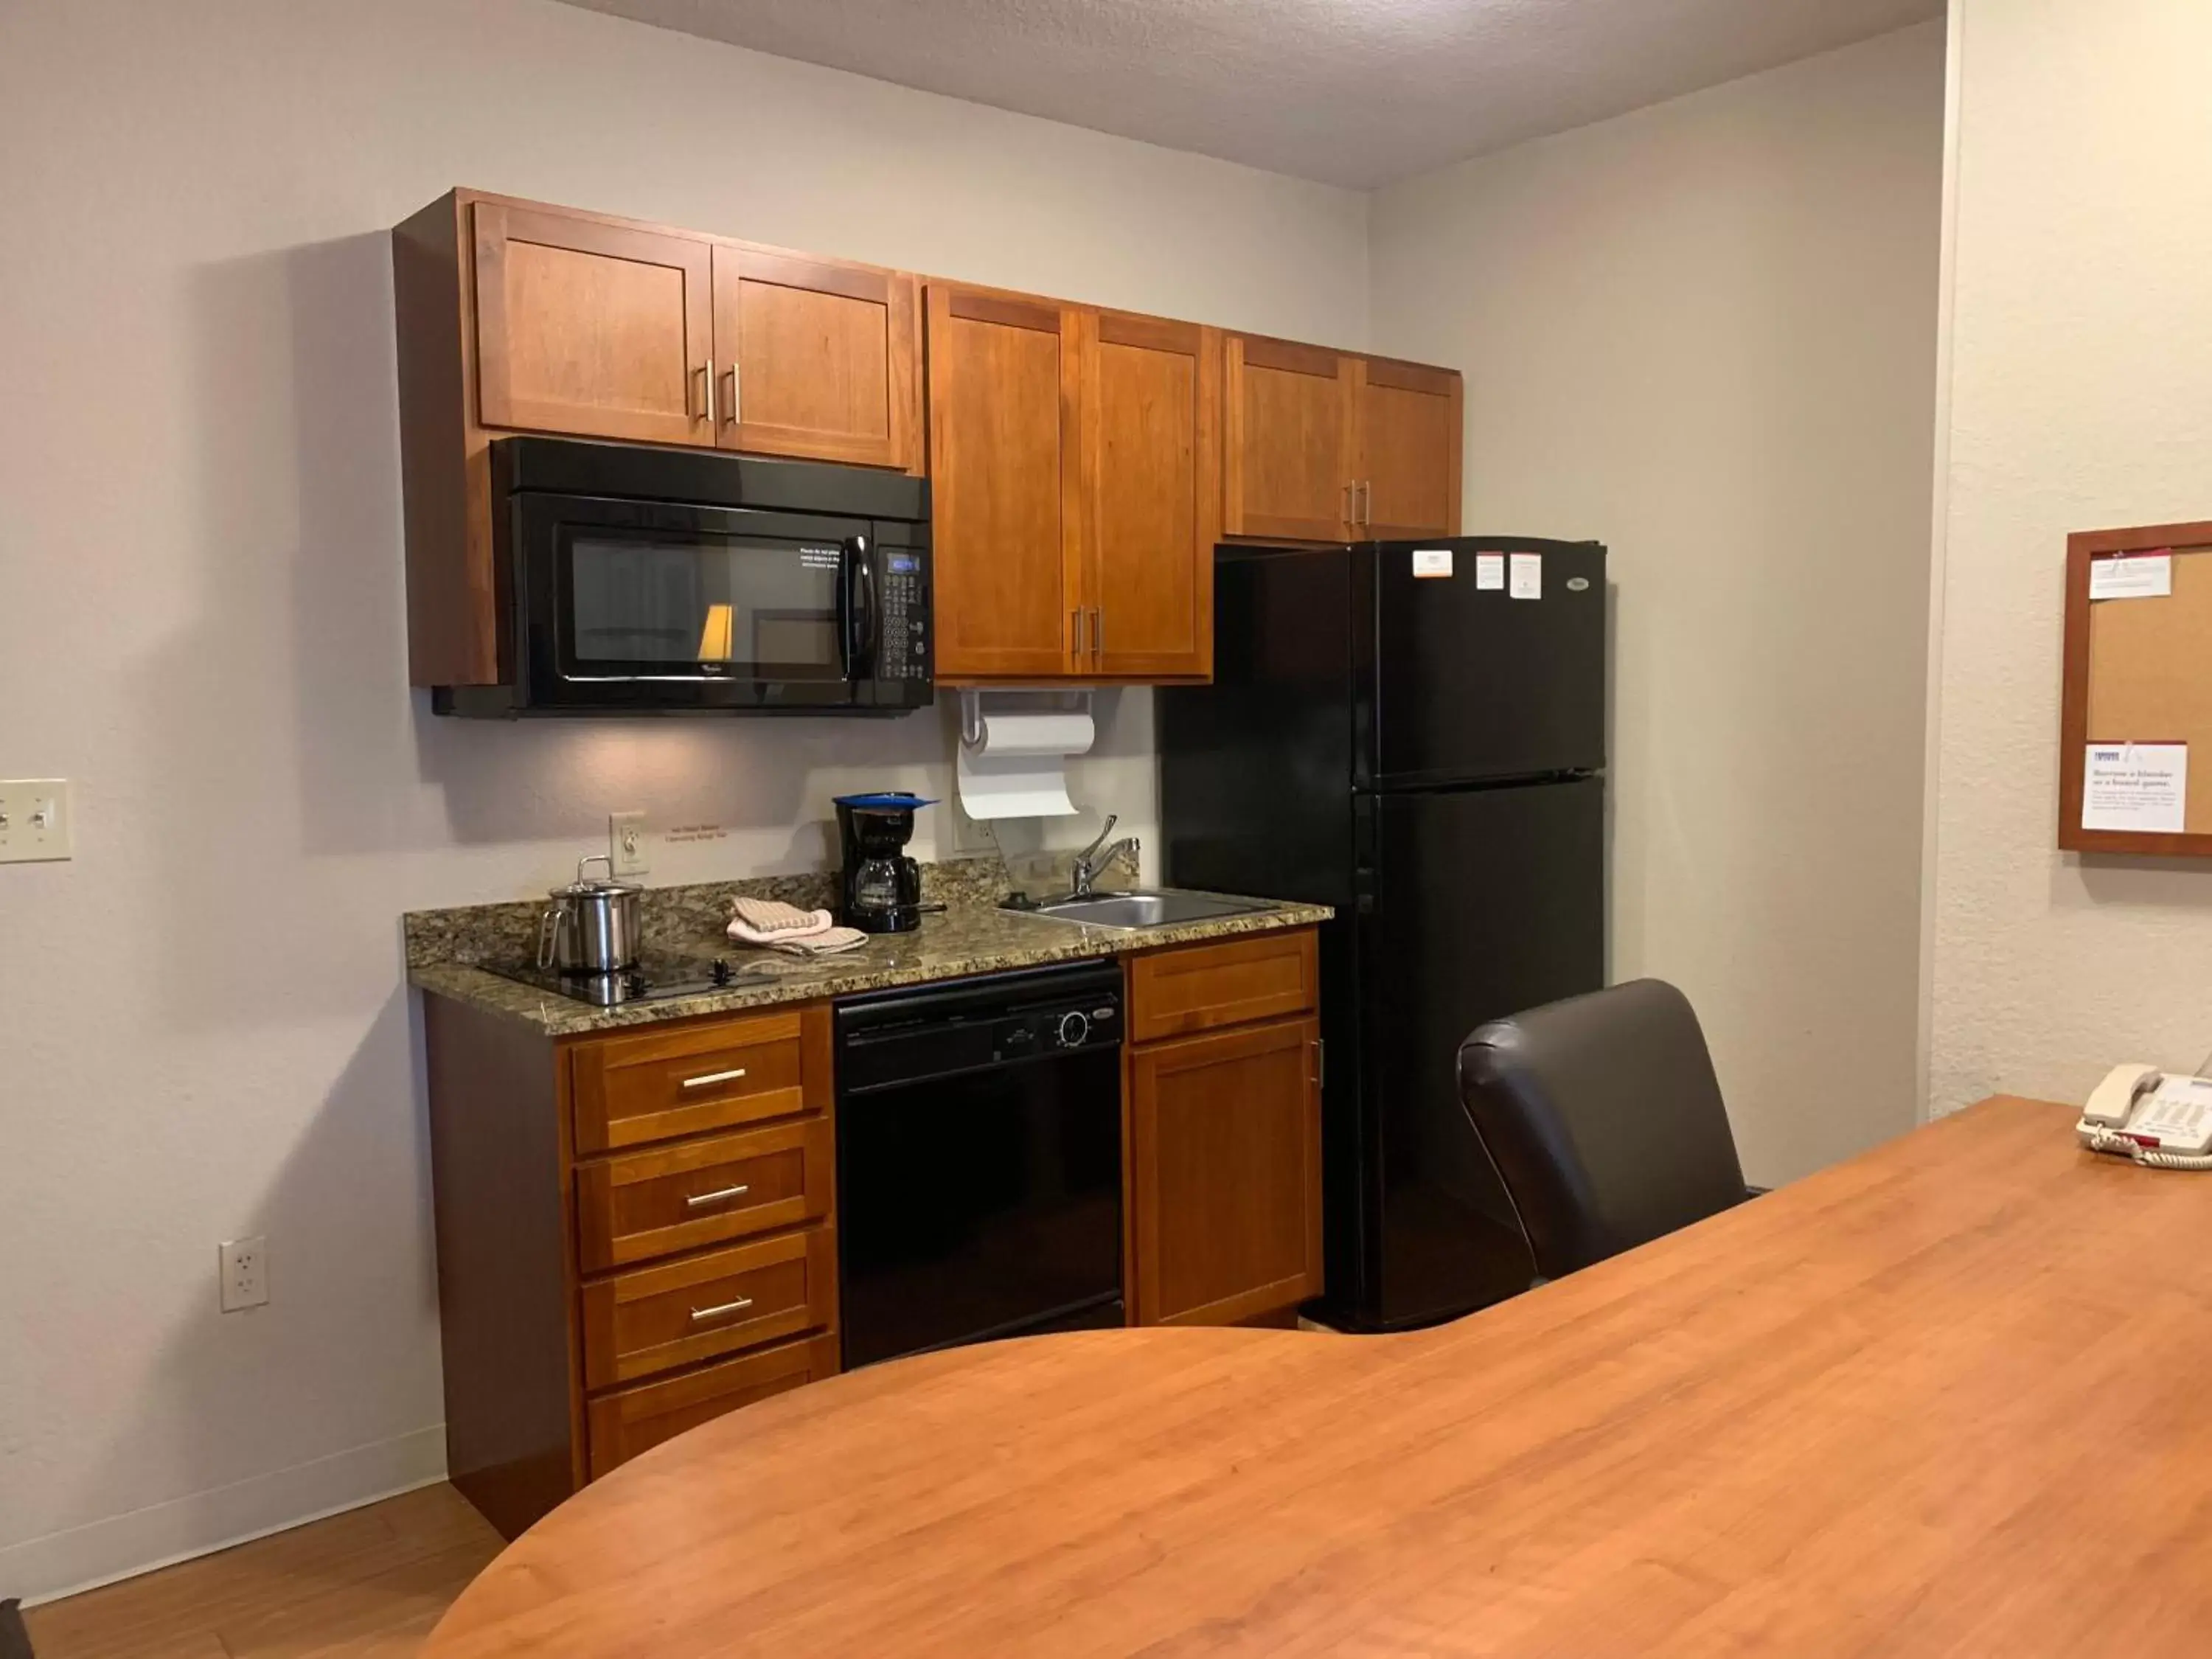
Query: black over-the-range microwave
(635, 580)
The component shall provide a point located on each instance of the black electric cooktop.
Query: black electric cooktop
(658, 976)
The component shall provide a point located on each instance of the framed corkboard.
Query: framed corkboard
(2138, 679)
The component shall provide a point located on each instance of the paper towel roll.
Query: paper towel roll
(1035, 734)
(1018, 767)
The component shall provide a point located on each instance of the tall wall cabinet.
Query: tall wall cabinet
(1084, 462)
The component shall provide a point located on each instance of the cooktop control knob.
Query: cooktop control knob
(635, 983)
(1074, 1027)
(720, 973)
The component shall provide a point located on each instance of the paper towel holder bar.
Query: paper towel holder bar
(971, 706)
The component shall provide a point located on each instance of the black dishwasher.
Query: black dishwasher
(979, 1160)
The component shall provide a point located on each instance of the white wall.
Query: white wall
(1704, 333)
(2081, 398)
(203, 1027)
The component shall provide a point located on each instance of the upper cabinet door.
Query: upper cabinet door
(1409, 429)
(1288, 462)
(815, 358)
(1005, 499)
(599, 330)
(1152, 485)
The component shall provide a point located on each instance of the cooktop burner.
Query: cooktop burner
(659, 974)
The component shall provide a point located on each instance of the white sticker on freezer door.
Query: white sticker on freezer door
(1490, 572)
(1433, 561)
(2136, 785)
(1527, 576)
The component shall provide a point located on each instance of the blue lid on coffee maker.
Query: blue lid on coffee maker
(883, 801)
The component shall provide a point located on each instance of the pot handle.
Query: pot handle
(554, 918)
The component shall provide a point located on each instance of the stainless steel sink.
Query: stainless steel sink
(1146, 908)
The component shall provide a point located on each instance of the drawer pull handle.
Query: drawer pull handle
(701, 1316)
(730, 1076)
(720, 1194)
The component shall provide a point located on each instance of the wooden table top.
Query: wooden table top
(1948, 1398)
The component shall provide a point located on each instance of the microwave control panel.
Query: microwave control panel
(904, 653)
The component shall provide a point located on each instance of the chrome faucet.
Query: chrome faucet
(1083, 874)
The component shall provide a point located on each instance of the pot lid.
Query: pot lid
(595, 887)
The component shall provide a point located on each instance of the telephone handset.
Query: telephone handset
(2139, 1113)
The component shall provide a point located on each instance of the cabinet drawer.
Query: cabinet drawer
(702, 1192)
(655, 1319)
(658, 1085)
(634, 1420)
(1203, 988)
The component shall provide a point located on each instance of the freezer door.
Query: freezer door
(1469, 680)
(1484, 902)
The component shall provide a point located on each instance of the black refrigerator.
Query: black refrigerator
(1414, 733)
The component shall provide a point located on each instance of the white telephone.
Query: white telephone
(2139, 1113)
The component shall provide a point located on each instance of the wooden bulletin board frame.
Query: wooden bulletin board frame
(2156, 670)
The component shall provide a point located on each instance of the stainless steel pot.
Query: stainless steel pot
(591, 926)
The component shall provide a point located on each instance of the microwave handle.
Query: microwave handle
(861, 608)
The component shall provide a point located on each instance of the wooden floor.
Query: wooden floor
(368, 1584)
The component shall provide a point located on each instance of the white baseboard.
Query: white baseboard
(123, 1546)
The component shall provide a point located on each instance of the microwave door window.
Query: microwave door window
(688, 607)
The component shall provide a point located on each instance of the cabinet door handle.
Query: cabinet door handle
(710, 391)
(1348, 489)
(1320, 1061)
(1075, 633)
(729, 416)
(720, 1196)
(1366, 503)
(1098, 635)
(701, 1082)
(701, 1316)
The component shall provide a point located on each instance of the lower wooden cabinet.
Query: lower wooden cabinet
(636, 1232)
(634, 1420)
(1224, 1145)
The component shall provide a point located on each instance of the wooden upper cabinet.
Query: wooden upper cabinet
(815, 358)
(586, 327)
(1289, 447)
(1326, 447)
(1005, 536)
(1409, 438)
(1152, 485)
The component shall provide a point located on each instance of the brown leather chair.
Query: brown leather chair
(1604, 1120)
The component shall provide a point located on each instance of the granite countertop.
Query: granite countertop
(445, 948)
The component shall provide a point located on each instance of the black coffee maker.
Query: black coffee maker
(880, 890)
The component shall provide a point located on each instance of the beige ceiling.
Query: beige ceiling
(1352, 92)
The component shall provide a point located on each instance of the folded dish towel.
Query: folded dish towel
(828, 942)
(765, 919)
(787, 928)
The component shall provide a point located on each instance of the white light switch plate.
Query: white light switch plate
(38, 820)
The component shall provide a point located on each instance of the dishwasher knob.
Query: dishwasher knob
(1073, 1029)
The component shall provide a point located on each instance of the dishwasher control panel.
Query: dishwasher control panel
(893, 1037)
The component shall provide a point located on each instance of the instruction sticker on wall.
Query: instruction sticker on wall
(1526, 576)
(2137, 786)
(1490, 573)
(2132, 576)
(1432, 561)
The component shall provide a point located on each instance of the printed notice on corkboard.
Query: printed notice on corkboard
(2136, 785)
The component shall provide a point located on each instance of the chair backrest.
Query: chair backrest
(1604, 1119)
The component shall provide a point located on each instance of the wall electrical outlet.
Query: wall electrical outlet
(626, 842)
(244, 1274)
(38, 819)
